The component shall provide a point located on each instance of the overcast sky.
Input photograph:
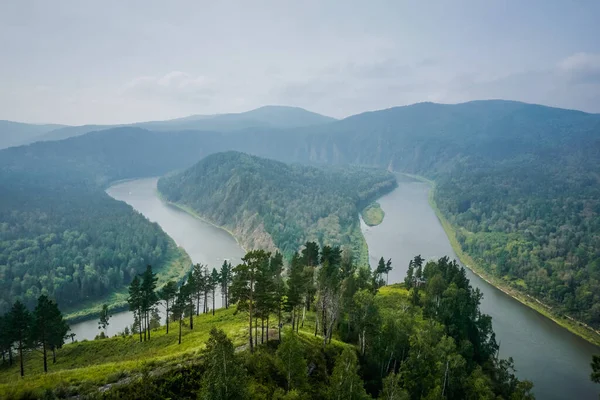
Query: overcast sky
(76, 62)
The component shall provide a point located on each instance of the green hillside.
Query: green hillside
(270, 204)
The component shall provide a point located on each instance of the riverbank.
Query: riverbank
(175, 268)
(194, 214)
(576, 327)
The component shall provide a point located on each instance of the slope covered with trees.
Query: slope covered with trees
(63, 236)
(519, 182)
(254, 196)
(358, 339)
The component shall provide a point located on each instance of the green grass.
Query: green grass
(373, 214)
(509, 287)
(176, 267)
(95, 363)
(83, 367)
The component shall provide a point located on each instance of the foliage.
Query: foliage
(373, 214)
(292, 203)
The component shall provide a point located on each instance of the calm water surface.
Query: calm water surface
(557, 361)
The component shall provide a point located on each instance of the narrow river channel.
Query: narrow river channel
(557, 361)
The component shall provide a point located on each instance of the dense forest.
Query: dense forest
(62, 236)
(519, 182)
(318, 327)
(290, 203)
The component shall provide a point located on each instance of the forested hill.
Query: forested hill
(271, 204)
(279, 117)
(519, 182)
(62, 235)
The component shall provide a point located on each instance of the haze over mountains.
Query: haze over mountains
(508, 174)
(15, 133)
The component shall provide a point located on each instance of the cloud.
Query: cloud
(581, 68)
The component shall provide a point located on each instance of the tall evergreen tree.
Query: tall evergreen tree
(243, 286)
(190, 285)
(149, 296)
(135, 301)
(226, 275)
(214, 282)
(5, 338)
(199, 285)
(48, 329)
(180, 305)
(20, 323)
(167, 294)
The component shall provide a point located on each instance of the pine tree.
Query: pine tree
(135, 303)
(149, 296)
(20, 323)
(199, 285)
(226, 275)
(167, 294)
(5, 339)
(214, 282)
(48, 329)
(179, 306)
(243, 286)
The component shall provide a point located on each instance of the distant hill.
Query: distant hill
(269, 204)
(279, 117)
(18, 133)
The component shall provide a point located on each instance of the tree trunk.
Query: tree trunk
(255, 331)
(279, 322)
(140, 325)
(298, 323)
(250, 320)
(262, 330)
(303, 315)
(167, 317)
(294, 318)
(213, 310)
(198, 303)
(148, 323)
(21, 357)
(45, 356)
(192, 318)
(180, 323)
(267, 329)
(205, 300)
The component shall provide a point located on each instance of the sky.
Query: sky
(83, 62)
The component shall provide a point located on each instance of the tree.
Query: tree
(135, 303)
(595, 369)
(295, 285)
(381, 268)
(149, 296)
(226, 275)
(214, 282)
(5, 339)
(392, 388)
(224, 378)
(290, 361)
(104, 318)
(180, 305)
(199, 287)
(243, 286)
(345, 381)
(365, 316)
(190, 286)
(20, 323)
(387, 270)
(167, 294)
(48, 329)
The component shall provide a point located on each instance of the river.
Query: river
(557, 361)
